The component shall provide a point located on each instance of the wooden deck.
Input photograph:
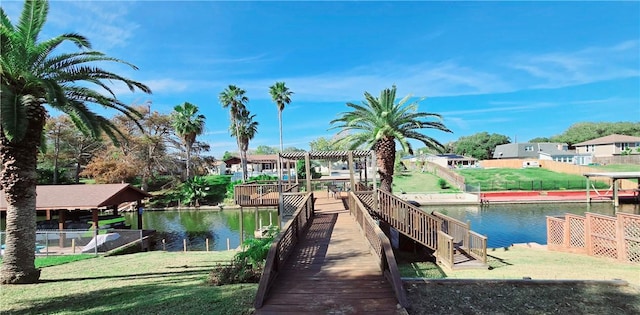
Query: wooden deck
(331, 270)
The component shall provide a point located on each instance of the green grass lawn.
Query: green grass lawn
(143, 283)
(517, 262)
(524, 179)
(618, 167)
(48, 261)
(418, 182)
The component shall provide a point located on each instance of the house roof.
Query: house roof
(83, 197)
(614, 138)
(517, 150)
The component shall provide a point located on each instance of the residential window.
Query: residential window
(528, 148)
(591, 148)
(625, 145)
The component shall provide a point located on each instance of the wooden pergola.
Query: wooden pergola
(327, 155)
(614, 176)
(94, 198)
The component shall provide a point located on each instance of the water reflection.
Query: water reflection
(196, 226)
(506, 224)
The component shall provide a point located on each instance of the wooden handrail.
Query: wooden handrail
(282, 246)
(408, 219)
(444, 253)
(380, 245)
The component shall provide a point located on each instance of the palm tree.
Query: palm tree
(379, 122)
(281, 95)
(244, 131)
(235, 100)
(188, 124)
(32, 77)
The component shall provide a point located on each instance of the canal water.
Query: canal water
(503, 224)
(220, 228)
(507, 224)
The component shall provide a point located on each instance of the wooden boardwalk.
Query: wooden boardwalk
(331, 270)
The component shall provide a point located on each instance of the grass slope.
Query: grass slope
(523, 179)
(417, 182)
(144, 283)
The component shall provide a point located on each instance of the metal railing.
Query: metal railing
(72, 242)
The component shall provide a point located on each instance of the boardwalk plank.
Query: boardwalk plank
(331, 271)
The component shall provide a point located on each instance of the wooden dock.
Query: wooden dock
(331, 270)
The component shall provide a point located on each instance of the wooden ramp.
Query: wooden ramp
(331, 270)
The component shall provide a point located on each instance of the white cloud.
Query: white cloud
(593, 64)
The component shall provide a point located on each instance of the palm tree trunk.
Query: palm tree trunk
(386, 156)
(188, 161)
(18, 179)
(243, 158)
(280, 122)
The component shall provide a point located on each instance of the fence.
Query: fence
(443, 172)
(69, 242)
(596, 235)
(492, 185)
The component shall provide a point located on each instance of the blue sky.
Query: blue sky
(515, 68)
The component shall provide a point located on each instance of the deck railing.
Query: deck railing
(257, 195)
(444, 253)
(282, 246)
(408, 219)
(463, 237)
(380, 245)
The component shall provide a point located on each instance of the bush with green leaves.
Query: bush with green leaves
(443, 184)
(194, 190)
(247, 265)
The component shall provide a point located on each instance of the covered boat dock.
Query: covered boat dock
(615, 177)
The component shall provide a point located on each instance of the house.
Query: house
(549, 151)
(449, 160)
(259, 164)
(610, 145)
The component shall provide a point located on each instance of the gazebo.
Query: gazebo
(65, 198)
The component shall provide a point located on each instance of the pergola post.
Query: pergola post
(307, 167)
(351, 170)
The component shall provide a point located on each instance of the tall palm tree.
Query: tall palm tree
(281, 95)
(245, 130)
(32, 77)
(379, 122)
(235, 100)
(188, 124)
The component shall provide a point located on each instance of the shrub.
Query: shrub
(247, 265)
(443, 184)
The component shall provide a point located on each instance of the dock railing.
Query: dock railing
(408, 219)
(444, 253)
(380, 246)
(463, 237)
(258, 195)
(282, 246)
